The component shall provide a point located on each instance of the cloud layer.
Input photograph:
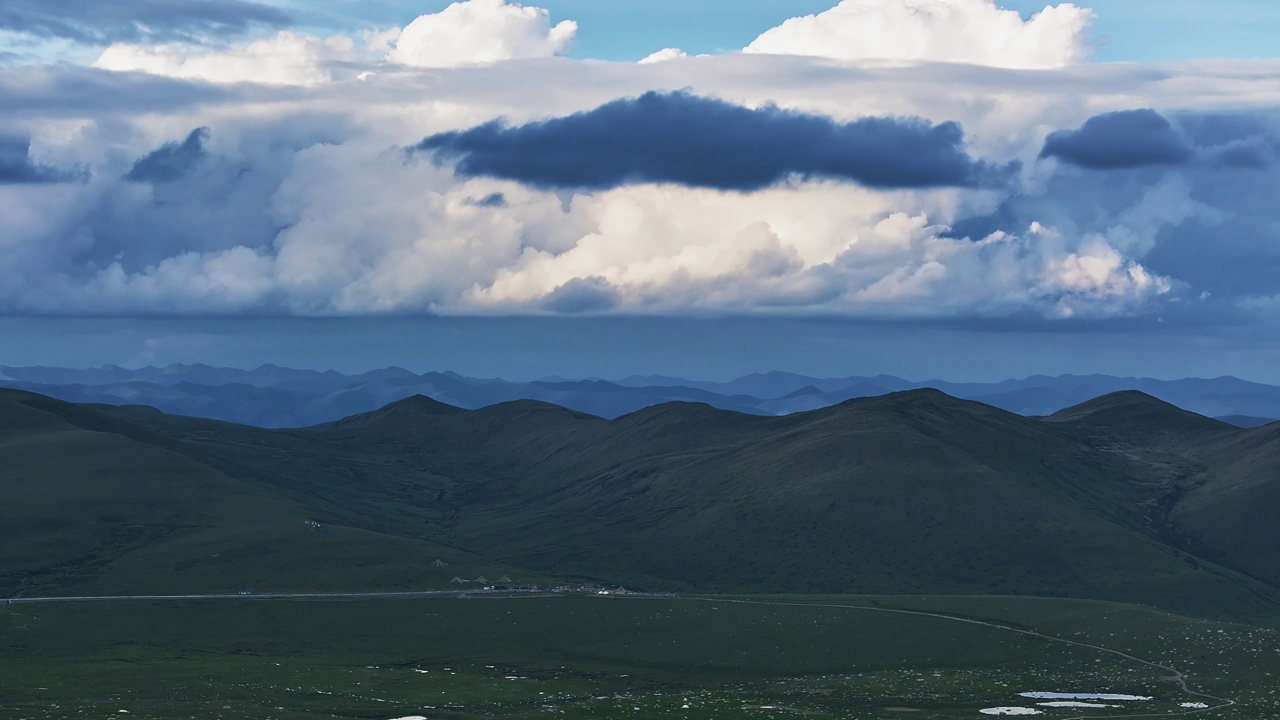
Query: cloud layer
(968, 31)
(286, 58)
(746, 183)
(103, 22)
(703, 142)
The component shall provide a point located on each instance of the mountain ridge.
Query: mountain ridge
(909, 493)
(272, 396)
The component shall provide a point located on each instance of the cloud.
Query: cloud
(1120, 140)
(474, 32)
(286, 58)
(310, 207)
(18, 168)
(1230, 140)
(703, 142)
(978, 32)
(492, 200)
(102, 22)
(481, 31)
(664, 55)
(582, 295)
(172, 161)
(77, 93)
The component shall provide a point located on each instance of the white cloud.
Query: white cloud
(966, 31)
(287, 58)
(369, 235)
(481, 31)
(663, 55)
(473, 32)
(311, 206)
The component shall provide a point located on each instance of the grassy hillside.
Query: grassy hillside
(97, 511)
(1225, 481)
(589, 657)
(910, 493)
(1231, 516)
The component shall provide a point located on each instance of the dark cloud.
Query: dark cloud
(172, 161)
(1227, 247)
(1231, 141)
(1120, 140)
(17, 167)
(582, 295)
(689, 140)
(107, 21)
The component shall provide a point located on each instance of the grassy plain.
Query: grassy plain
(593, 657)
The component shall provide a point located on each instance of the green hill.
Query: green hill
(91, 502)
(1231, 515)
(910, 493)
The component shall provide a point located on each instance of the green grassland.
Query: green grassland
(592, 657)
(808, 528)
(915, 493)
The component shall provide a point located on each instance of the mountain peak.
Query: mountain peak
(413, 406)
(1121, 401)
(918, 395)
(1138, 414)
(419, 405)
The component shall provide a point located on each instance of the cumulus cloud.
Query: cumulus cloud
(1120, 140)
(1232, 141)
(664, 55)
(582, 295)
(17, 167)
(308, 204)
(469, 33)
(703, 142)
(966, 31)
(99, 22)
(355, 233)
(172, 161)
(286, 58)
(1132, 139)
(481, 31)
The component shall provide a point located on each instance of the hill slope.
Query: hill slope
(910, 493)
(91, 509)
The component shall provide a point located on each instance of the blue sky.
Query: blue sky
(962, 189)
(1126, 30)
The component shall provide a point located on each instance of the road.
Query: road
(1176, 676)
(238, 596)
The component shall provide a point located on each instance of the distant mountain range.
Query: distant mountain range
(1122, 498)
(277, 397)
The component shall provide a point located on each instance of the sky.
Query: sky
(959, 189)
(1124, 30)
